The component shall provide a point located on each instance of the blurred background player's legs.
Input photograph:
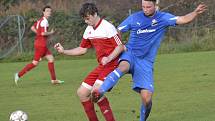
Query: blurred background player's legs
(27, 68)
(38, 54)
(51, 68)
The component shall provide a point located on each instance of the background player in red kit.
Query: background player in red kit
(40, 47)
(103, 36)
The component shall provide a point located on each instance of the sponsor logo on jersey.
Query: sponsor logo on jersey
(139, 31)
(154, 22)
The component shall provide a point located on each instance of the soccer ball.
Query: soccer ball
(18, 116)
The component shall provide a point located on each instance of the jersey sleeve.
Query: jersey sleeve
(116, 40)
(44, 24)
(170, 19)
(113, 34)
(85, 43)
(125, 25)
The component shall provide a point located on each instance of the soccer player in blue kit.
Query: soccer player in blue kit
(147, 29)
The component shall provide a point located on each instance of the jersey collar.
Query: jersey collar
(98, 24)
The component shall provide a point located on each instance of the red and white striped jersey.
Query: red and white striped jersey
(104, 38)
(42, 26)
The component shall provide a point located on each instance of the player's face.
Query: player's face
(90, 20)
(148, 8)
(47, 13)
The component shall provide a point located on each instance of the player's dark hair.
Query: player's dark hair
(151, 0)
(88, 9)
(47, 6)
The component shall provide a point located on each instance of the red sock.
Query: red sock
(106, 109)
(27, 68)
(90, 110)
(52, 70)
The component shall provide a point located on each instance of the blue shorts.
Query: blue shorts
(141, 71)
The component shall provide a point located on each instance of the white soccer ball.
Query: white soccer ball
(18, 116)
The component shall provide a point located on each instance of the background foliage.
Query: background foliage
(196, 36)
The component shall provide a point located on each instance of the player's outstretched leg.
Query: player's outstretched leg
(27, 68)
(109, 82)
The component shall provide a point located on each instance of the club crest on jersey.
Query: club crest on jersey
(154, 22)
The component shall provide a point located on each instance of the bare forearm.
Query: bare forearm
(33, 29)
(118, 50)
(191, 16)
(46, 33)
(186, 18)
(75, 51)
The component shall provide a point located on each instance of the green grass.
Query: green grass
(184, 90)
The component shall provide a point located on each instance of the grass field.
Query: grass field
(184, 90)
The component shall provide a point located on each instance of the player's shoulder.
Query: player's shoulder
(107, 25)
(163, 14)
(44, 21)
(137, 13)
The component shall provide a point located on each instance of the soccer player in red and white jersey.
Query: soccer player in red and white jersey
(40, 47)
(103, 36)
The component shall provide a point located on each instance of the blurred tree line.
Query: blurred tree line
(70, 27)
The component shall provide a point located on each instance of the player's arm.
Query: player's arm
(191, 16)
(120, 36)
(115, 53)
(33, 29)
(74, 51)
(48, 33)
(118, 50)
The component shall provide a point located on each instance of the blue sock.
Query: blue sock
(110, 80)
(142, 112)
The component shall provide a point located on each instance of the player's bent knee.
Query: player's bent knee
(51, 61)
(146, 97)
(124, 66)
(83, 94)
(50, 58)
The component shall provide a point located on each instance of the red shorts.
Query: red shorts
(40, 52)
(99, 73)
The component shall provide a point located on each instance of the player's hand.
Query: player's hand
(59, 48)
(52, 31)
(105, 60)
(201, 8)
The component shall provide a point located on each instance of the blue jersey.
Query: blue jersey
(146, 33)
